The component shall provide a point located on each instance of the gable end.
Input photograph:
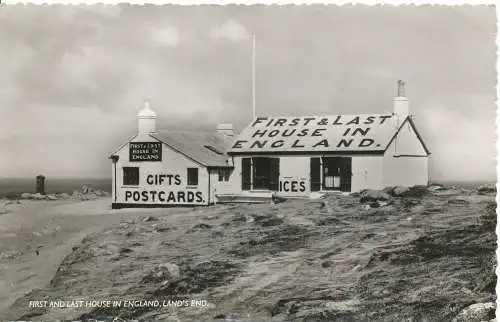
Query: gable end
(415, 131)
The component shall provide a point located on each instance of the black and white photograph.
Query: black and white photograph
(247, 163)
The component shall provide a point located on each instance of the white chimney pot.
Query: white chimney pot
(401, 105)
(146, 119)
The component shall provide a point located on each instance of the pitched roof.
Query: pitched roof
(337, 133)
(207, 149)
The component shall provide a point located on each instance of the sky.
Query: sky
(73, 77)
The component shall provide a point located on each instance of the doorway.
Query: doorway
(260, 173)
(331, 174)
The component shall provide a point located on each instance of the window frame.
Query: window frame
(127, 177)
(223, 174)
(189, 178)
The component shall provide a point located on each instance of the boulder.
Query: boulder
(435, 187)
(476, 313)
(85, 189)
(76, 194)
(98, 193)
(458, 201)
(51, 197)
(106, 194)
(173, 270)
(91, 196)
(487, 188)
(39, 196)
(400, 191)
(26, 195)
(446, 192)
(163, 272)
(414, 192)
(373, 196)
(388, 190)
(64, 195)
(3, 208)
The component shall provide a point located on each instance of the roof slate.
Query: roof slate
(192, 145)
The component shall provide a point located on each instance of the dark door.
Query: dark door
(266, 173)
(246, 179)
(260, 173)
(345, 174)
(315, 173)
(274, 174)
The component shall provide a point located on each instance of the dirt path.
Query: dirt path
(55, 227)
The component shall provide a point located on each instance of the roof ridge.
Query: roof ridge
(188, 131)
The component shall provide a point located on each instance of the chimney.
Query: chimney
(225, 129)
(401, 104)
(146, 119)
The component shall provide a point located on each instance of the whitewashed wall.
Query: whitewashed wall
(233, 186)
(405, 161)
(367, 172)
(214, 184)
(405, 171)
(294, 176)
(172, 163)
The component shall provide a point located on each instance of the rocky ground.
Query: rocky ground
(420, 254)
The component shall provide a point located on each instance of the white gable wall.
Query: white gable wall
(173, 163)
(405, 171)
(406, 142)
(406, 162)
(367, 173)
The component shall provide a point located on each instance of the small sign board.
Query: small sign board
(145, 151)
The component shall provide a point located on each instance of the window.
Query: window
(224, 174)
(131, 176)
(192, 176)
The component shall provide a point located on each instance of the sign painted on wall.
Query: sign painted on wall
(164, 188)
(315, 133)
(292, 185)
(144, 151)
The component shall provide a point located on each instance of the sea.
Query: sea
(11, 187)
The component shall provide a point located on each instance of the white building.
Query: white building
(285, 156)
(295, 156)
(165, 168)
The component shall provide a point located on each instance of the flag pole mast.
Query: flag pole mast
(253, 76)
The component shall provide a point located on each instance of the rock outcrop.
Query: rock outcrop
(487, 188)
(478, 312)
(373, 196)
(85, 193)
(3, 208)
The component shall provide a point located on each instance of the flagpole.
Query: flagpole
(253, 76)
